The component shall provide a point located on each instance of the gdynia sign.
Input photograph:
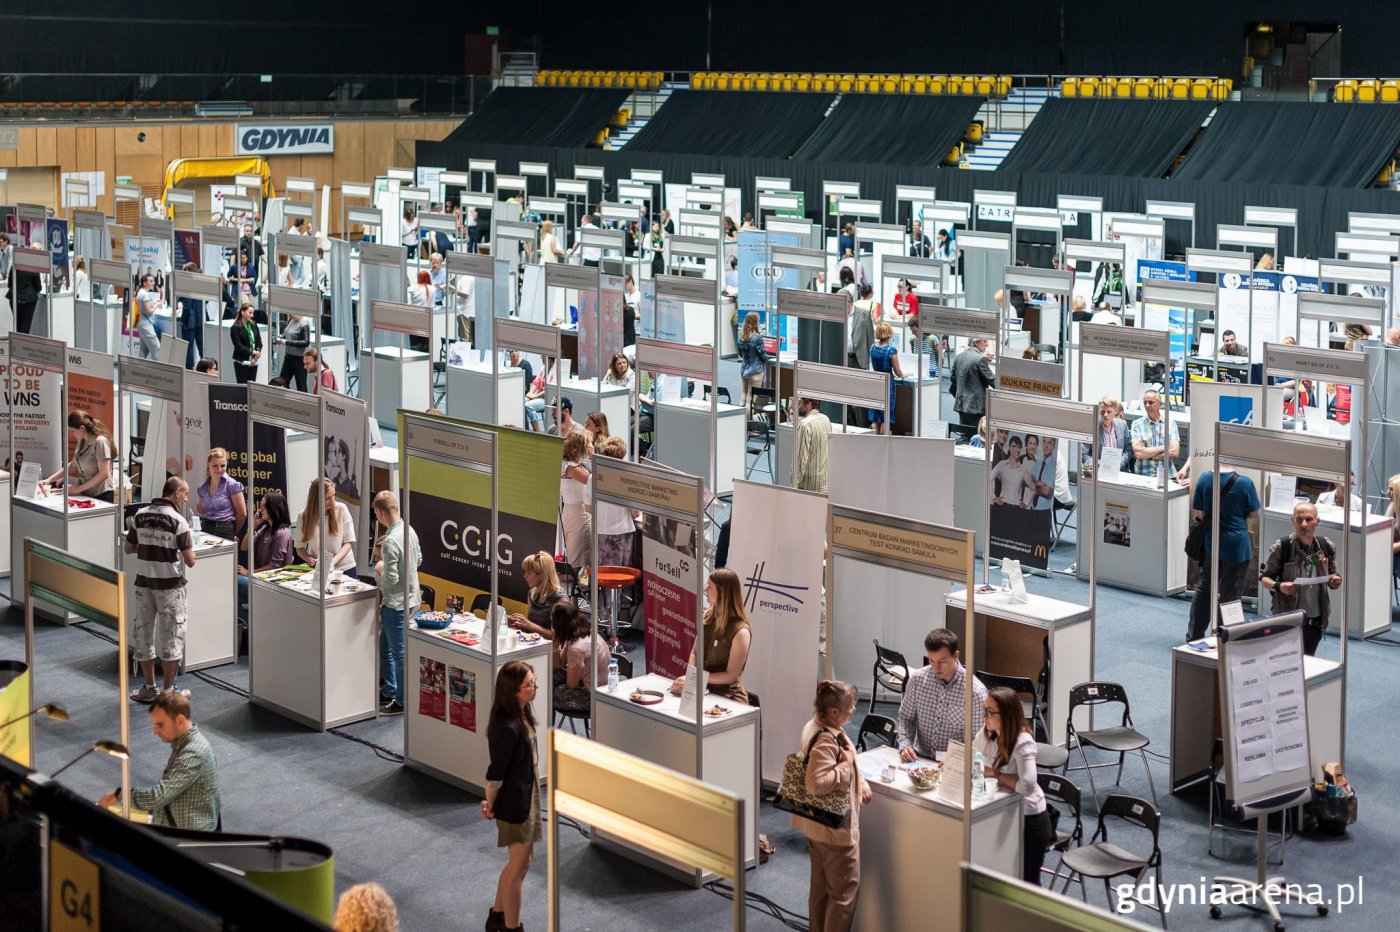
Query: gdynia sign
(284, 138)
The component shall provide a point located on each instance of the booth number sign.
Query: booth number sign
(9, 138)
(74, 891)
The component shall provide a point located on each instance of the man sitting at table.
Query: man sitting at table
(932, 712)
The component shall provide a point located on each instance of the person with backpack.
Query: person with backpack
(1239, 501)
(1303, 556)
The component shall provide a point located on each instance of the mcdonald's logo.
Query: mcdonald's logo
(1041, 551)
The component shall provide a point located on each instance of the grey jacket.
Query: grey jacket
(862, 336)
(972, 376)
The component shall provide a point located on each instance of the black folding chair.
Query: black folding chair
(1117, 739)
(880, 729)
(1103, 860)
(891, 672)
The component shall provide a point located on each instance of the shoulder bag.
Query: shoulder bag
(1196, 537)
(829, 809)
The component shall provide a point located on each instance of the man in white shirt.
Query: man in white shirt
(591, 255)
(1105, 315)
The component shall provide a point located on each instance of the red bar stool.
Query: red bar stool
(612, 579)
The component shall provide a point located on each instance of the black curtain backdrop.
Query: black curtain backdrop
(899, 129)
(1107, 137)
(1342, 146)
(766, 124)
(1322, 211)
(543, 116)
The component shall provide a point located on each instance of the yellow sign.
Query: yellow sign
(941, 554)
(14, 702)
(1029, 386)
(75, 903)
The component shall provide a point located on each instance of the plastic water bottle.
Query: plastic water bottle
(613, 677)
(1005, 577)
(979, 779)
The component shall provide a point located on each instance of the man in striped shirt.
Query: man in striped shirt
(161, 540)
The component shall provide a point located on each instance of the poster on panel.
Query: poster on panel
(589, 331)
(668, 602)
(228, 428)
(90, 388)
(1023, 498)
(345, 457)
(778, 548)
(33, 395)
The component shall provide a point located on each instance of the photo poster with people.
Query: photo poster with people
(1023, 498)
(589, 332)
(90, 389)
(56, 238)
(432, 688)
(345, 457)
(1117, 524)
(25, 232)
(34, 396)
(146, 255)
(228, 428)
(668, 600)
(461, 698)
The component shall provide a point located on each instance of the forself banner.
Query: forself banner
(284, 138)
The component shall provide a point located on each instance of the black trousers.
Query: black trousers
(1038, 834)
(24, 315)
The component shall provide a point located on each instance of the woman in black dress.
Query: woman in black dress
(512, 788)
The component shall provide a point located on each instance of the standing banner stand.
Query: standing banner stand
(408, 373)
(1231, 270)
(672, 818)
(1267, 766)
(1195, 716)
(312, 635)
(694, 440)
(1057, 282)
(924, 403)
(970, 464)
(912, 840)
(642, 717)
(1096, 253)
(1145, 512)
(1367, 583)
(84, 527)
(475, 390)
(819, 307)
(452, 655)
(1031, 635)
(108, 313)
(88, 592)
(539, 340)
(211, 636)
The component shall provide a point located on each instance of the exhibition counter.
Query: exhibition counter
(1196, 715)
(911, 845)
(1143, 536)
(970, 491)
(88, 531)
(313, 657)
(683, 439)
(400, 381)
(726, 754)
(615, 401)
(469, 394)
(1019, 638)
(211, 593)
(1368, 589)
(784, 450)
(450, 686)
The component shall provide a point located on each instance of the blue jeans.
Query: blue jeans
(391, 671)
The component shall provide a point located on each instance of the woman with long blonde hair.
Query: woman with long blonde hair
(725, 640)
(1392, 491)
(219, 499)
(545, 592)
(340, 528)
(753, 358)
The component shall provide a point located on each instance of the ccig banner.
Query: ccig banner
(284, 138)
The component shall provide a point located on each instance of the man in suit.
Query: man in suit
(972, 376)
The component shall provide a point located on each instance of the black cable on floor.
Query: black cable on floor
(384, 753)
(760, 904)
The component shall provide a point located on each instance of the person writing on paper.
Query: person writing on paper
(1151, 440)
(1303, 556)
(834, 850)
(1011, 478)
(1239, 501)
(931, 711)
(725, 639)
(1332, 496)
(340, 529)
(90, 470)
(1009, 748)
(545, 592)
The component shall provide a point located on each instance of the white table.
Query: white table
(726, 756)
(89, 533)
(219, 345)
(95, 325)
(911, 843)
(1195, 719)
(469, 394)
(785, 442)
(458, 753)
(400, 381)
(683, 438)
(54, 317)
(970, 491)
(1152, 560)
(1368, 589)
(312, 658)
(587, 395)
(211, 592)
(1011, 640)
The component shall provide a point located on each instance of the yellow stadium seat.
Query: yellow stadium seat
(1200, 89)
(984, 85)
(610, 79)
(760, 83)
(938, 84)
(906, 84)
(828, 85)
(1344, 92)
(1222, 87)
(746, 83)
(1181, 88)
(845, 85)
(920, 86)
(974, 133)
(1069, 87)
(1142, 88)
(720, 82)
(1121, 87)
(954, 155)
(803, 84)
(1003, 85)
(1390, 92)
(788, 84)
(1088, 87)
(1367, 91)
(890, 85)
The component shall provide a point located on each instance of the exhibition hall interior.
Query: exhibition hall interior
(727, 465)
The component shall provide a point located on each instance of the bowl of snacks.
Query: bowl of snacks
(432, 621)
(923, 777)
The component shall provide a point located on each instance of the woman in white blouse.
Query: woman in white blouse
(549, 244)
(1008, 749)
